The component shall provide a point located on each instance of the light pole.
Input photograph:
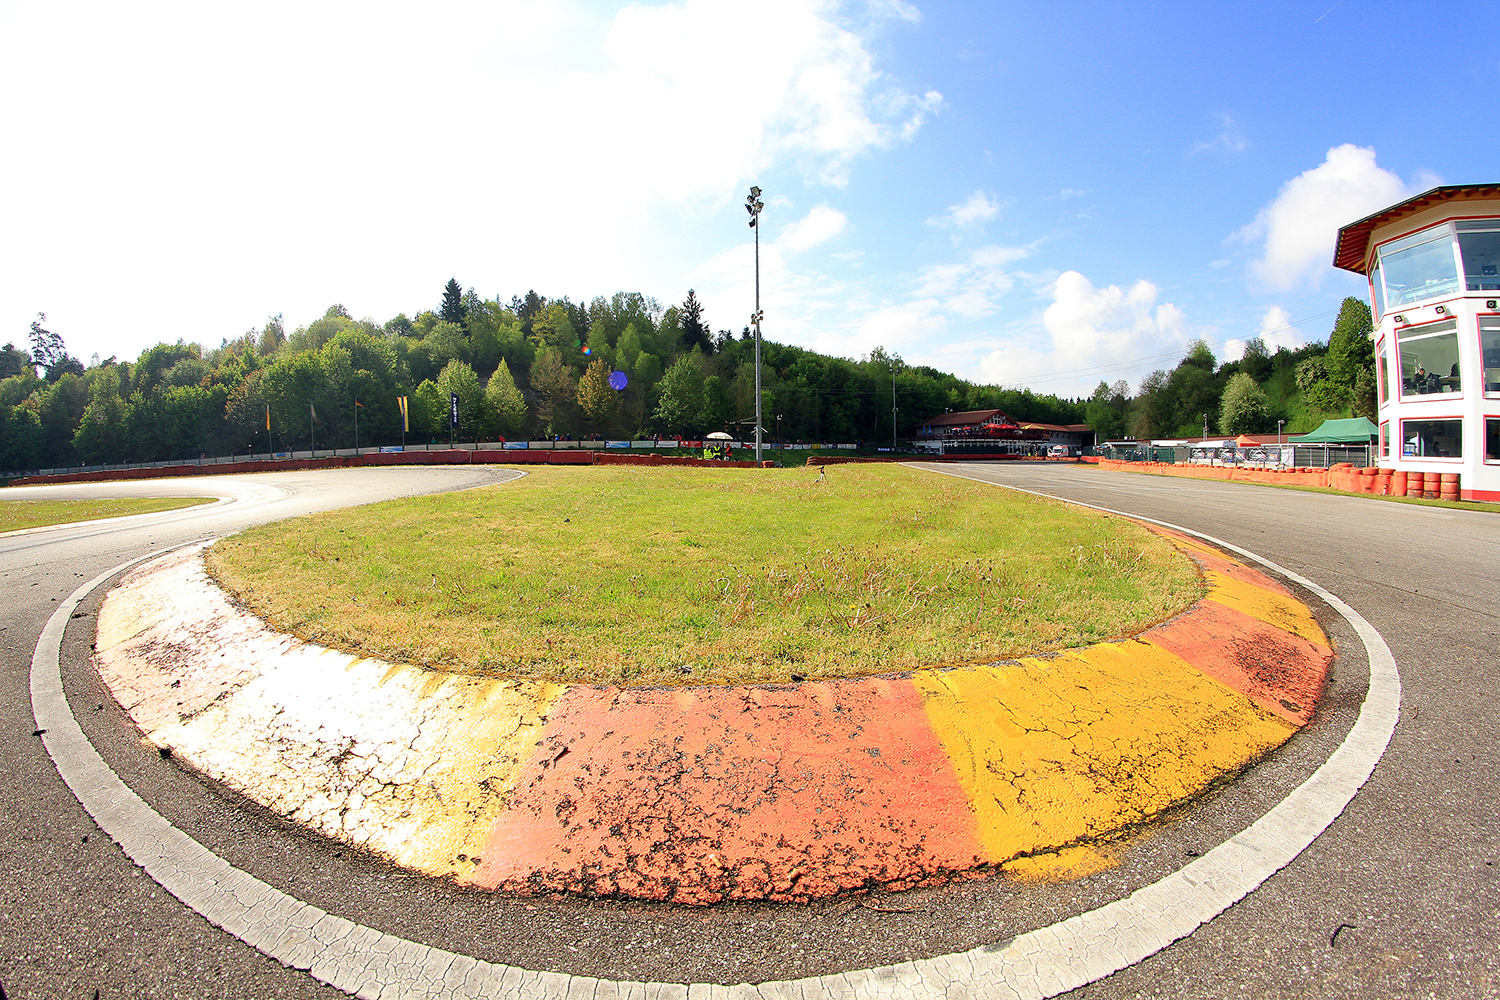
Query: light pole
(894, 369)
(753, 205)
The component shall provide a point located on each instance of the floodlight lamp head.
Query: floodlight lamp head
(754, 192)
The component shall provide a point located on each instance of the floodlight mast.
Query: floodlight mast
(753, 205)
(894, 368)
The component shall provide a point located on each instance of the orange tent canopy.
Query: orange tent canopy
(1246, 439)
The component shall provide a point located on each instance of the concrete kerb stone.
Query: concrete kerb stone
(1039, 964)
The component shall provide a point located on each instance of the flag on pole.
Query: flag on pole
(268, 416)
(312, 411)
(358, 403)
(401, 403)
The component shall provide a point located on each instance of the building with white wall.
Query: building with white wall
(1433, 266)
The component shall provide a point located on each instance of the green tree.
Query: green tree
(1148, 412)
(272, 336)
(679, 404)
(1105, 412)
(20, 437)
(16, 388)
(505, 401)
(457, 378)
(100, 438)
(292, 383)
(446, 342)
(694, 332)
(718, 404)
(552, 381)
(1244, 408)
(453, 309)
(320, 331)
(1256, 361)
(1350, 349)
(1318, 390)
(551, 326)
(429, 411)
(61, 408)
(47, 348)
(1363, 401)
(596, 397)
(628, 348)
(14, 362)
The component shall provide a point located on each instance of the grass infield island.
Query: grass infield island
(658, 576)
(18, 514)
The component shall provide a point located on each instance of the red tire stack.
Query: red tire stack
(1448, 486)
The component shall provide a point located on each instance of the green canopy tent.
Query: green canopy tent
(1354, 430)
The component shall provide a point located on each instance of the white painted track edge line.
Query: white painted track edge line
(1038, 964)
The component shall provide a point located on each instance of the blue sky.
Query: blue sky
(1021, 194)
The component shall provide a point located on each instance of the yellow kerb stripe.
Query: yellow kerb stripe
(1057, 750)
(1268, 606)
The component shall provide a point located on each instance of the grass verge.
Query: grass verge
(640, 576)
(18, 514)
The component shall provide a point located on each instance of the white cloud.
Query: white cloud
(978, 207)
(1300, 225)
(916, 109)
(1094, 333)
(318, 157)
(820, 224)
(972, 289)
(1276, 331)
(1229, 140)
(894, 327)
(895, 9)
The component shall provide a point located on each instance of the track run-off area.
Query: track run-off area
(1395, 897)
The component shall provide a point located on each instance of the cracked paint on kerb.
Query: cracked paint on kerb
(1059, 750)
(410, 763)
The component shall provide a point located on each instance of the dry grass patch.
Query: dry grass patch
(18, 514)
(641, 576)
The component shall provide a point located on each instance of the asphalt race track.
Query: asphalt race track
(1406, 877)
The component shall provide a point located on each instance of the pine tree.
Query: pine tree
(453, 309)
(694, 332)
(47, 349)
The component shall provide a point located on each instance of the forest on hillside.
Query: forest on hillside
(538, 367)
(531, 368)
